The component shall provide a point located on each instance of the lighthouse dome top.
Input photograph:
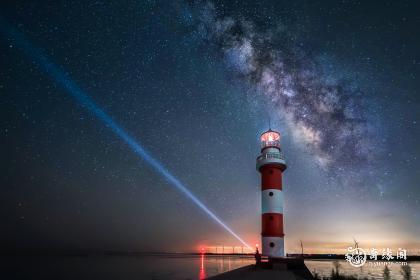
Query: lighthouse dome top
(270, 138)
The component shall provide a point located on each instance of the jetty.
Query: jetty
(280, 269)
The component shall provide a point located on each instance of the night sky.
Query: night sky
(195, 84)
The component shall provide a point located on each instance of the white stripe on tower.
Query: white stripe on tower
(272, 201)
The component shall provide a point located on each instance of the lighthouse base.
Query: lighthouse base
(273, 247)
(284, 262)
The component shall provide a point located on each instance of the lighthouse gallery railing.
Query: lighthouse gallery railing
(271, 155)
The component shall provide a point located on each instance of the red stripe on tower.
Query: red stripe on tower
(271, 164)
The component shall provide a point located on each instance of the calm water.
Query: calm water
(119, 267)
(324, 267)
(157, 267)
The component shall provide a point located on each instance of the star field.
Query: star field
(196, 83)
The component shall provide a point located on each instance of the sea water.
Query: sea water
(162, 267)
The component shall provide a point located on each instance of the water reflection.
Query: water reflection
(323, 269)
(210, 265)
(202, 274)
(161, 267)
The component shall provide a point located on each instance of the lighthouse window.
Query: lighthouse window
(271, 171)
(272, 244)
(271, 218)
(270, 193)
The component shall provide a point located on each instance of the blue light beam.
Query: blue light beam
(64, 80)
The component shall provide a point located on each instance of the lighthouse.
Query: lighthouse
(271, 164)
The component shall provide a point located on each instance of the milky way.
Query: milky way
(325, 114)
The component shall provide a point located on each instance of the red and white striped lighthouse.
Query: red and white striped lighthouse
(271, 164)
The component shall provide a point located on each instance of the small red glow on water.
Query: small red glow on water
(202, 274)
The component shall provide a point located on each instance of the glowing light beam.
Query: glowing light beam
(63, 79)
